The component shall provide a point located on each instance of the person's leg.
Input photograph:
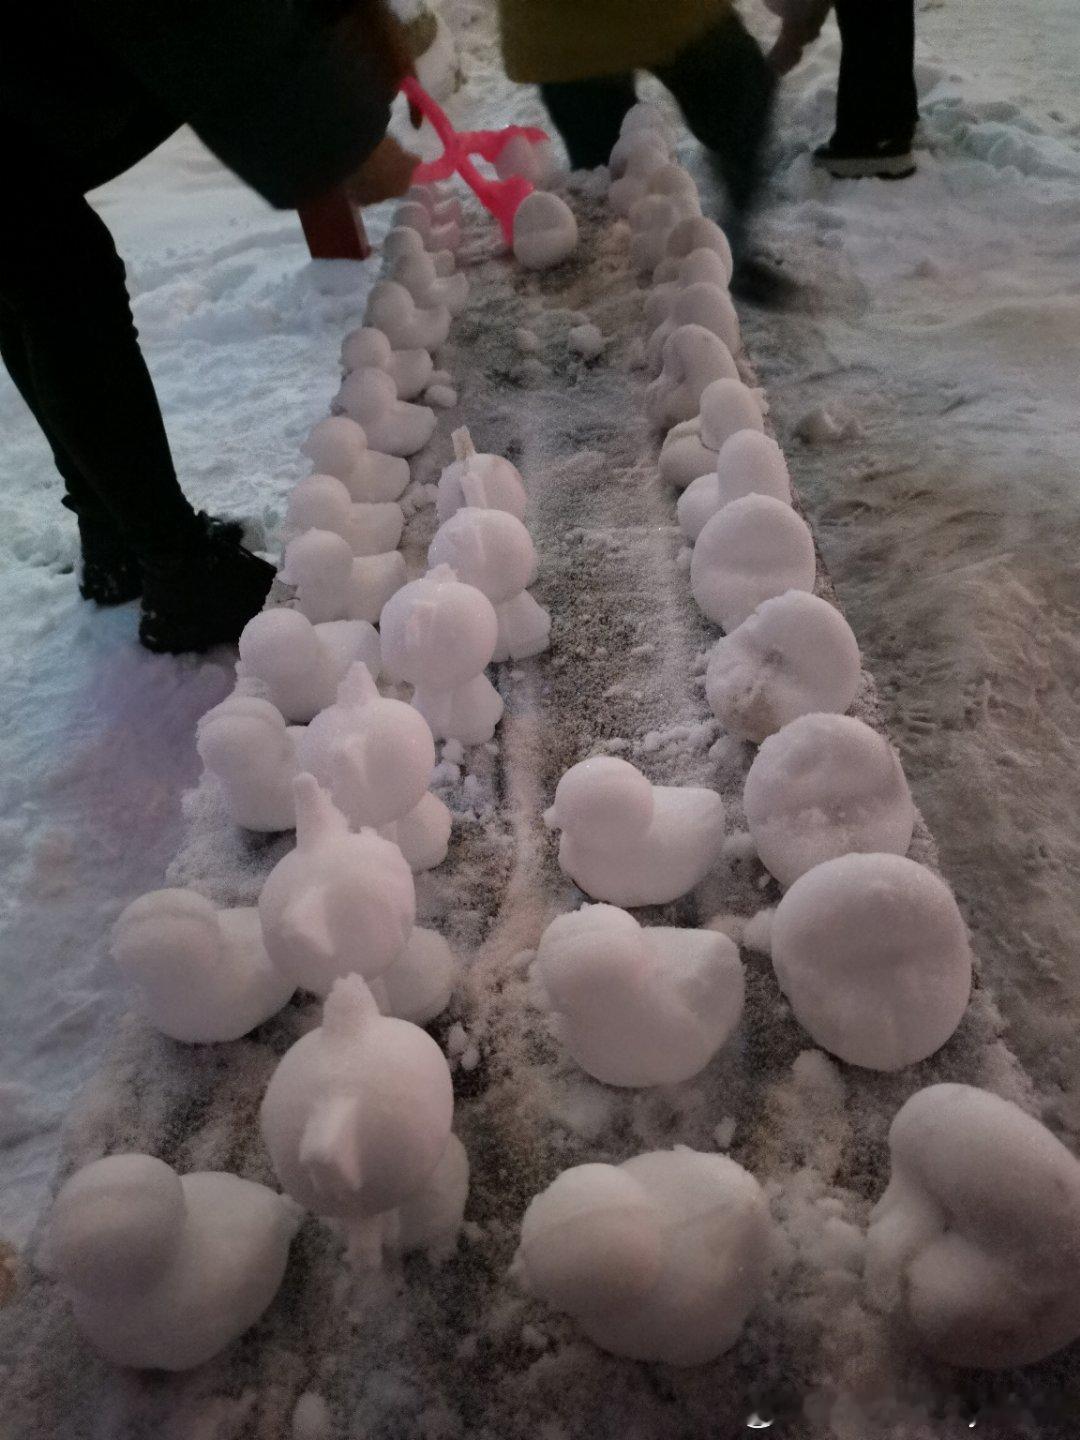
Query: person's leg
(588, 115)
(876, 102)
(72, 341)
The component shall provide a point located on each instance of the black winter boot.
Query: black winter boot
(202, 593)
(110, 572)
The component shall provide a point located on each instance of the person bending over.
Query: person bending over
(292, 95)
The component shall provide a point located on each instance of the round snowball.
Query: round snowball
(795, 655)
(751, 550)
(545, 231)
(872, 953)
(823, 786)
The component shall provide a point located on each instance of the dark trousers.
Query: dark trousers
(876, 99)
(723, 87)
(70, 345)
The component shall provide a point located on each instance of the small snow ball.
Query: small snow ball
(751, 550)
(823, 786)
(873, 955)
(661, 1258)
(795, 655)
(545, 231)
(637, 1006)
(974, 1245)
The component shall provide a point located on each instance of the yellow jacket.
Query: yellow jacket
(548, 41)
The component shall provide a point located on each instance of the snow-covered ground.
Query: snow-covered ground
(940, 325)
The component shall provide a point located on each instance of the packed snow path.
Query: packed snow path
(457, 1350)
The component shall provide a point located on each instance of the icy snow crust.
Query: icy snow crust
(460, 1350)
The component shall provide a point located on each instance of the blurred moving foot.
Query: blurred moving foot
(202, 593)
(880, 159)
(762, 283)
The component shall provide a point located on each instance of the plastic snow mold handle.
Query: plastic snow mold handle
(500, 197)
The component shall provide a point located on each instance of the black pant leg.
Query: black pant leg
(725, 90)
(876, 98)
(69, 333)
(588, 115)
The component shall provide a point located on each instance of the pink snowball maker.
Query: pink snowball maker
(500, 197)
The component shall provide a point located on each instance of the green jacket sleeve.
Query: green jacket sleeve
(290, 100)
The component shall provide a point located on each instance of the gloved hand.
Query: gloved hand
(800, 25)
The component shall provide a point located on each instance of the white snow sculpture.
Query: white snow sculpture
(823, 786)
(629, 842)
(492, 550)
(393, 310)
(661, 1258)
(674, 182)
(419, 985)
(436, 233)
(370, 398)
(333, 584)
(487, 482)
(700, 303)
(302, 664)
(520, 156)
(402, 241)
(339, 903)
(692, 448)
(638, 1006)
(693, 358)
(748, 463)
(652, 219)
(693, 233)
(545, 231)
(700, 267)
(246, 745)
(439, 635)
(163, 1270)
(440, 205)
(338, 446)
(366, 347)
(322, 502)
(375, 756)
(431, 1219)
(357, 1117)
(644, 116)
(427, 287)
(748, 552)
(873, 956)
(633, 161)
(795, 655)
(973, 1246)
(202, 974)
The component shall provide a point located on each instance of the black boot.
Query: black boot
(110, 572)
(202, 593)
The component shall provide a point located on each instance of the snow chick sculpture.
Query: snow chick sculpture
(370, 398)
(322, 502)
(357, 1119)
(301, 664)
(338, 446)
(202, 974)
(750, 551)
(375, 756)
(629, 842)
(249, 749)
(661, 1258)
(873, 956)
(332, 583)
(975, 1245)
(492, 550)
(486, 482)
(366, 347)
(162, 1270)
(439, 635)
(636, 1006)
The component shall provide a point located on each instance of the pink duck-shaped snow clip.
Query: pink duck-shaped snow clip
(500, 197)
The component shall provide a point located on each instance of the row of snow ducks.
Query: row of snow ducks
(662, 1257)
